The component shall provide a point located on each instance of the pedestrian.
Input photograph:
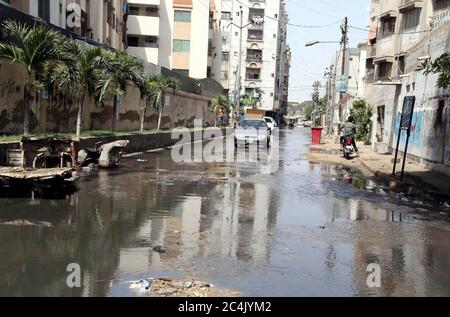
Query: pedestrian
(221, 117)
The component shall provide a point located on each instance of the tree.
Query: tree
(308, 109)
(32, 48)
(440, 66)
(155, 89)
(119, 70)
(362, 113)
(252, 100)
(77, 73)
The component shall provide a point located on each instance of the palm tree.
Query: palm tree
(31, 47)
(77, 74)
(145, 92)
(156, 89)
(120, 70)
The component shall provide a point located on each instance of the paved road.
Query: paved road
(306, 229)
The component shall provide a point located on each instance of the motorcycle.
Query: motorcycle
(348, 147)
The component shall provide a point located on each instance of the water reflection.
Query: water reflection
(300, 231)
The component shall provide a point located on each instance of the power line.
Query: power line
(293, 24)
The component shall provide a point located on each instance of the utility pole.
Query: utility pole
(239, 86)
(316, 99)
(330, 75)
(344, 42)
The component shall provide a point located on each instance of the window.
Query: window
(226, 15)
(181, 46)
(151, 11)
(184, 72)
(411, 19)
(387, 26)
(44, 9)
(225, 56)
(384, 70)
(151, 41)
(133, 41)
(400, 65)
(253, 74)
(182, 16)
(255, 35)
(133, 10)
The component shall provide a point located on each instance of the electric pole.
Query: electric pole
(239, 85)
(316, 99)
(344, 42)
(330, 75)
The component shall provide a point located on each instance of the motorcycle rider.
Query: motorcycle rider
(349, 129)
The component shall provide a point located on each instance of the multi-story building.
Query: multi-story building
(176, 34)
(403, 35)
(255, 57)
(100, 21)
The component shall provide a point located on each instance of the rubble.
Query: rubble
(167, 287)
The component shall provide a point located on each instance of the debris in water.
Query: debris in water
(165, 287)
(446, 205)
(160, 249)
(143, 285)
(142, 161)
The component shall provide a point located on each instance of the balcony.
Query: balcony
(255, 36)
(254, 55)
(143, 25)
(408, 5)
(148, 54)
(145, 2)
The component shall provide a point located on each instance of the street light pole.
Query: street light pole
(344, 41)
(240, 62)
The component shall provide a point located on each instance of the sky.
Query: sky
(309, 63)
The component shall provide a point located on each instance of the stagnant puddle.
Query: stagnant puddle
(304, 229)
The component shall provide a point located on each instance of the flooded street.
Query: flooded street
(306, 230)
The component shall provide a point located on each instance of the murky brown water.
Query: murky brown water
(308, 229)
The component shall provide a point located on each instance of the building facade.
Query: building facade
(403, 35)
(257, 57)
(100, 21)
(176, 34)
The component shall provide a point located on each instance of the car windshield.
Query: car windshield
(253, 124)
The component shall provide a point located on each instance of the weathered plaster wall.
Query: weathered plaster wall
(56, 116)
(430, 132)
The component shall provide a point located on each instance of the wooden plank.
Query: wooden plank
(20, 173)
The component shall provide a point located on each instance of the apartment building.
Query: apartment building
(176, 34)
(255, 58)
(404, 34)
(98, 20)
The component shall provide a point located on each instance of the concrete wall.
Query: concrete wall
(54, 115)
(430, 134)
(138, 142)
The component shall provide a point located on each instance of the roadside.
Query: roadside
(380, 166)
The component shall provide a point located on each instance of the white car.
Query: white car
(251, 131)
(271, 123)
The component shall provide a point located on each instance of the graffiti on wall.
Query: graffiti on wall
(7, 88)
(415, 141)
